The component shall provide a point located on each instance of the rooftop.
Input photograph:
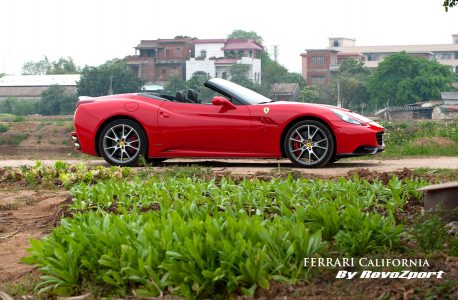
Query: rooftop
(242, 44)
(39, 80)
(210, 41)
(284, 88)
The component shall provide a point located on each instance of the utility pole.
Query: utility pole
(110, 89)
(276, 52)
(339, 103)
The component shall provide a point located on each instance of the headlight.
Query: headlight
(346, 117)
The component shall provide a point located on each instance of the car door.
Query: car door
(205, 127)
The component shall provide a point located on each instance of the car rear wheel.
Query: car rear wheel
(309, 144)
(122, 142)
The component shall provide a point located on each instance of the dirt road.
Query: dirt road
(249, 166)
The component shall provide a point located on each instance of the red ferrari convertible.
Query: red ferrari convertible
(237, 122)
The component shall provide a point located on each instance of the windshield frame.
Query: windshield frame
(237, 92)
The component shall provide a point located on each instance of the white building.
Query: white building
(446, 54)
(215, 57)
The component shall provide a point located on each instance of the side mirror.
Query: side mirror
(221, 101)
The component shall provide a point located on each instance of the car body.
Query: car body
(238, 123)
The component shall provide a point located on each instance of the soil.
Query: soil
(24, 215)
(437, 141)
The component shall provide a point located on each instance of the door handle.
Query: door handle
(164, 115)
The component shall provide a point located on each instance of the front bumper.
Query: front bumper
(369, 149)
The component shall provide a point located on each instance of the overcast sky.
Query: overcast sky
(93, 31)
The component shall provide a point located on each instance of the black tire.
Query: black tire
(309, 144)
(122, 142)
(155, 160)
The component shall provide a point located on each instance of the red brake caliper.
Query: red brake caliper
(131, 138)
(296, 145)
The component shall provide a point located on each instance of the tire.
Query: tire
(309, 144)
(122, 142)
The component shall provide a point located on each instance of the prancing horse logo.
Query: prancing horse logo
(266, 110)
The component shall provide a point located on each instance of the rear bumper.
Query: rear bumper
(75, 142)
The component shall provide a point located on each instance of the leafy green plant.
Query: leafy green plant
(429, 233)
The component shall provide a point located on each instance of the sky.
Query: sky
(94, 31)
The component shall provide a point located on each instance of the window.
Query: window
(444, 55)
(203, 53)
(200, 74)
(318, 60)
(372, 57)
(317, 80)
(177, 50)
(336, 44)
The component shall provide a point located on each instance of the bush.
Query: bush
(3, 128)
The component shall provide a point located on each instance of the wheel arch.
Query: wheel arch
(117, 117)
(304, 118)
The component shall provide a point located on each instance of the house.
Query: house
(446, 54)
(31, 87)
(449, 109)
(318, 65)
(214, 58)
(285, 91)
(155, 61)
(445, 109)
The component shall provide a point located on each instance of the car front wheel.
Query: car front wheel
(309, 144)
(122, 142)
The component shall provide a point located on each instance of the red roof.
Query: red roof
(210, 41)
(242, 44)
(225, 61)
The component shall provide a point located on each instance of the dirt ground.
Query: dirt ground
(254, 166)
(24, 214)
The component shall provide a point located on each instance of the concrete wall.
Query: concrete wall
(213, 49)
(206, 65)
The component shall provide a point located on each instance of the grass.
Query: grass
(13, 140)
(444, 174)
(401, 136)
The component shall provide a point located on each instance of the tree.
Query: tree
(44, 66)
(449, 4)
(96, 81)
(242, 34)
(292, 77)
(402, 79)
(353, 77)
(40, 67)
(64, 66)
(55, 101)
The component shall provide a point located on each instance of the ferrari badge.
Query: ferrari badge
(266, 110)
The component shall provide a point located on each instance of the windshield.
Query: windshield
(243, 94)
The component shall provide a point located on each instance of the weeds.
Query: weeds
(429, 233)
(13, 140)
(4, 128)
